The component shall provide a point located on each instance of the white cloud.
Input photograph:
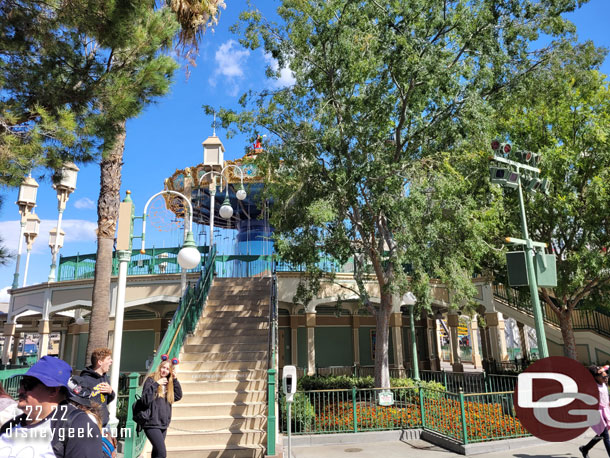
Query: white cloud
(77, 230)
(286, 75)
(230, 61)
(4, 295)
(84, 203)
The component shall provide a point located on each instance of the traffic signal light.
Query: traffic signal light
(534, 184)
(504, 177)
(545, 186)
(526, 156)
(505, 148)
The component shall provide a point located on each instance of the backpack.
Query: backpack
(108, 448)
(141, 412)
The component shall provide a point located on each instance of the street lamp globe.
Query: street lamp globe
(241, 193)
(189, 256)
(80, 321)
(226, 211)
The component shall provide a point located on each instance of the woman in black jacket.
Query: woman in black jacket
(160, 391)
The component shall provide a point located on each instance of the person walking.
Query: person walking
(94, 378)
(160, 391)
(601, 429)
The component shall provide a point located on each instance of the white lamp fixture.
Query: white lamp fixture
(54, 240)
(226, 211)
(80, 321)
(32, 227)
(409, 298)
(68, 176)
(241, 193)
(189, 256)
(27, 193)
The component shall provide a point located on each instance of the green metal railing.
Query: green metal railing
(470, 382)
(464, 418)
(183, 322)
(593, 320)
(153, 261)
(11, 385)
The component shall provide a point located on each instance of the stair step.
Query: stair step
(225, 347)
(255, 336)
(222, 365)
(204, 397)
(225, 375)
(193, 386)
(233, 314)
(233, 319)
(181, 410)
(221, 325)
(217, 451)
(249, 302)
(225, 356)
(261, 333)
(234, 437)
(219, 422)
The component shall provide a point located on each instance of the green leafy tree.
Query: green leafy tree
(564, 114)
(72, 73)
(44, 91)
(368, 152)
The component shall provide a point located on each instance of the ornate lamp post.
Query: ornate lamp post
(188, 258)
(26, 201)
(65, 187)
(226, 211)
(32, 228)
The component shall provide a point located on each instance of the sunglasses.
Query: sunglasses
(29, 383)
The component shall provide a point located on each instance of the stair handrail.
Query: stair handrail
(272, 370)
(183, 322)
(581, 319)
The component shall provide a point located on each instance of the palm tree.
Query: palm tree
(193, 17)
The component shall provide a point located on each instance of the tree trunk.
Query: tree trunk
(382, 345)
(567, 332)
(107, 215)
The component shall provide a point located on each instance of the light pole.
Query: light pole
(26, 201)
(32, 228)
(410, 300)
(188, 258)
(511, 174)
(65, 187)
(226, 211)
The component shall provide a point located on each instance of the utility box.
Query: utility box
(546, 270)
(545, 265)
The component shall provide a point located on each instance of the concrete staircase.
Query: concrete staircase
(223, 373)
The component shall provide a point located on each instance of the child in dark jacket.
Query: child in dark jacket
(160, 391)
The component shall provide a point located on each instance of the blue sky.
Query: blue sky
(168, 135)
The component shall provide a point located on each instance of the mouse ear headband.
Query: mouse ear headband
(174, 361)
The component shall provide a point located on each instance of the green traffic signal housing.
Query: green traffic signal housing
(504, 177)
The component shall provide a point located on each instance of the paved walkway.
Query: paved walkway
(423, 449)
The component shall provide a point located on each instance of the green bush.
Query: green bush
(343, 382)
(302, 413)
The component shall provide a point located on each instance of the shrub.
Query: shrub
(302, 413)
